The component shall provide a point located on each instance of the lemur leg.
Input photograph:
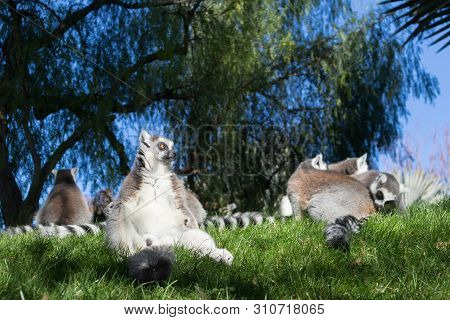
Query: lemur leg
(120, 232)
(196, 240)
(202, 243)
(294, 199)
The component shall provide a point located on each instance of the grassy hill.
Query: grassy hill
(394, 257)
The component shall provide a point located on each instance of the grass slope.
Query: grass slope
(401, 257)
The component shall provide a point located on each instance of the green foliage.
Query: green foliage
(269, 76)
(394, 257)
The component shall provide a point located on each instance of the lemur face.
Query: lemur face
(101, 200)
(386, 191)
(159, 148)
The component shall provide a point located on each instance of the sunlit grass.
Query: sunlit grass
(397, 256)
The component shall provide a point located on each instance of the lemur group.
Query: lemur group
(154, 211)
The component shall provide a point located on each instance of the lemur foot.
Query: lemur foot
(223, 256)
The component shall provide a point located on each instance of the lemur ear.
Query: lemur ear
(316, 161)
(382, 178)
(404, 189)
(74, 171)
(144, 136)
(361, 161)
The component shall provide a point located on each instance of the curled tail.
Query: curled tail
(236, 220)
(59, 231)
(339, 232)
(151, 264)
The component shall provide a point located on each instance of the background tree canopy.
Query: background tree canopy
(246, 89)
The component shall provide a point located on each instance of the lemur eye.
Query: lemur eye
(162, 146)
(379, 195)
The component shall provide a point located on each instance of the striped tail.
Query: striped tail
(338, 233)
(59, 231)
(236, 220)
(151, 264)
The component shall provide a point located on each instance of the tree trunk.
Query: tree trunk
(10, 194)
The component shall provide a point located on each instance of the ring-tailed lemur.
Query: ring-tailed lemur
(333, 197)
(96, 206)
(229, 220)
(65, 204)
(349, 166)
(385, 189)
(99, 202)
(151, 210)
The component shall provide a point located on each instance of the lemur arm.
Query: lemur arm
(121, 234)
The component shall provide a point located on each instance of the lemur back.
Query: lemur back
(350, 166)
(327, 195)
(330, 196)
(65, 204)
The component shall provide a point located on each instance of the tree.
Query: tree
(55, 93)
(78, 80)
(431, 18)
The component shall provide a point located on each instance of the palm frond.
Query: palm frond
(428, 17)
(424, 187)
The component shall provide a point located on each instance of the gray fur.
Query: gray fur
(59, 231)
(65, 204)
(384, 188)
(235, 220)
(338, 233)
(290, 204)
(151, 264)
(337, 201)
(153, 210)
(99, 202)
(333, 197)
(350, 166)
(194, 206)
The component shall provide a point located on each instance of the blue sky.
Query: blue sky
(425, 120)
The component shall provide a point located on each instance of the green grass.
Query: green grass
(394, 257)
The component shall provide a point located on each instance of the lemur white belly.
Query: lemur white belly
(156, 212)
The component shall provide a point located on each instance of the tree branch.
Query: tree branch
(39, 179)
(69, 21)
(160, 55)
(72, 19)
(119, 148)
(146, 4)
(47, 105)
(30, 141)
